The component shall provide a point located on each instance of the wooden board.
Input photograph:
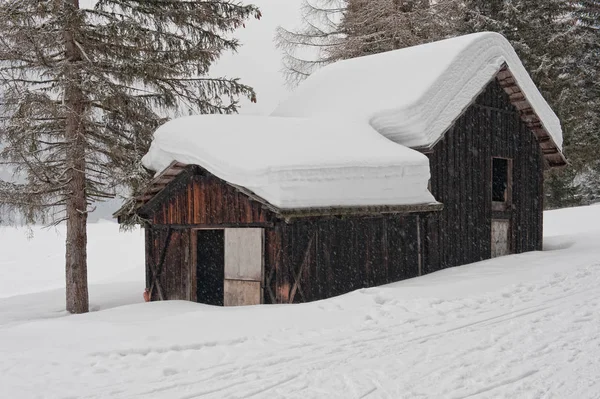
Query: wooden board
(308, 260)
(500, 238)
(461, 171)
(242, 293)
(244, 254)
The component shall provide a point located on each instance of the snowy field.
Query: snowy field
(525, 326)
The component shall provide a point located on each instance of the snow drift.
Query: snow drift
(523, 326)
(295, 162)
(413, 95)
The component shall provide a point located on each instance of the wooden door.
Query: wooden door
(243, 266)
(500, 238)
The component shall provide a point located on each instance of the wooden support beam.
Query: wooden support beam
(544, 139)
(504, 74)
(517, 97)
(528, 115)
(156, 271)
(509, 82)
(270, 278)
(290, 214)
(550, 151)
(296, 286)
(521, 105)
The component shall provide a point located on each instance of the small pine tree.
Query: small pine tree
(82, 90)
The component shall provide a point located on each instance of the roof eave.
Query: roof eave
(551, 151)
(160, 182)
(553, 156)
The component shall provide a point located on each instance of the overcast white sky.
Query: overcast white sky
(258, 62)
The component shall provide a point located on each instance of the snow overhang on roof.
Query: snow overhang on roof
(294, 163)
(413, 96)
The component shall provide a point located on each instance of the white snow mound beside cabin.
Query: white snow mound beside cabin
(413, 95)
(295, 162)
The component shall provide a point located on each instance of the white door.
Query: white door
(500, 238)
(243, 266)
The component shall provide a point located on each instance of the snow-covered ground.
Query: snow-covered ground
(525, 326)
(32, 259)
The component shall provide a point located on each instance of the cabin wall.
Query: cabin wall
(175, 280)
(194, 200)
(204, 200)
(309, 260)
(461, 180)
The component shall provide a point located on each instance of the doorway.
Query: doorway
(502, 204)
(229, 266)
(210, 266)
(500, 238)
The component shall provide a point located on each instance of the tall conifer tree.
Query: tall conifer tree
(82, 89)
(340, 30)
(559, 43)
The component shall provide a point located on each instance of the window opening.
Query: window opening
(500, 180)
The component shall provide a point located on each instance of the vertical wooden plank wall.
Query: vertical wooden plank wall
(203, 199)
(174, 278)
(308, 260)
(461, 180)
(195, 199)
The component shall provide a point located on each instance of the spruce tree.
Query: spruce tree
(559, 43)
(371, 27)
(82, 90)
(586, 140)
(341, 30)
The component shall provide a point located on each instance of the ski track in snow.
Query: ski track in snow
(411, 357)
(535, 336)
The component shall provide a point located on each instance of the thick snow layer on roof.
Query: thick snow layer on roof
(294, 162)
(413, 95)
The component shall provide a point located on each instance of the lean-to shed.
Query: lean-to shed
(375, 170)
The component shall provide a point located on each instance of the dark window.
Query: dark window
(500, 180)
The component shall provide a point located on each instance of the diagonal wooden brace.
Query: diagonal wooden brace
(156, 271)
(296, 286)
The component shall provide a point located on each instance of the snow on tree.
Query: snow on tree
(82, 90)
(307, 49)
(341, 30)
(559, 43)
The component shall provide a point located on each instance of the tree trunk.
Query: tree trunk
(76, 202)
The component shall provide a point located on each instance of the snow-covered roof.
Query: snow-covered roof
(296, 163)
(413, 95)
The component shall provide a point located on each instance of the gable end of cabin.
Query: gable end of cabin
(488, 171)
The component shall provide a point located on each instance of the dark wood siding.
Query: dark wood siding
(461, 180)
(174, 276)
(205, 200)
(309, 260)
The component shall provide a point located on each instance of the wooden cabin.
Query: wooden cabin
(219, 242)
(215, 243)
